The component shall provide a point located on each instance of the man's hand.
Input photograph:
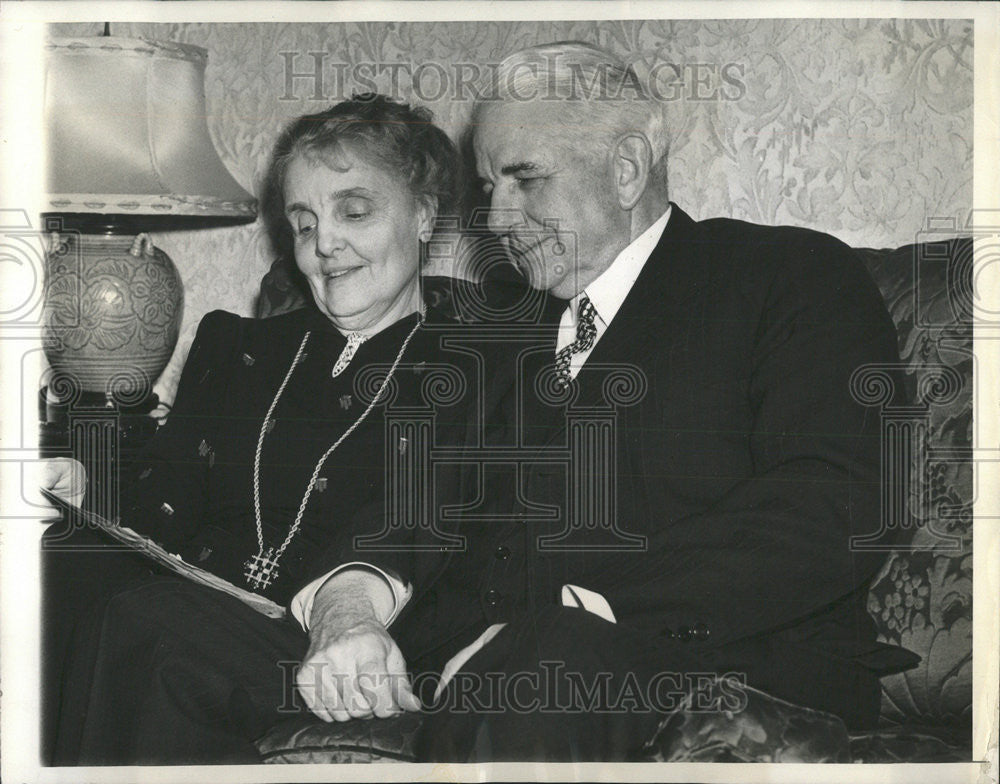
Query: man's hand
(353, 668)
(66, 478)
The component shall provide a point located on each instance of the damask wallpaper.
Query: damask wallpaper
(861, 128)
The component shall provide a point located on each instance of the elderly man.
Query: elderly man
(740, 475)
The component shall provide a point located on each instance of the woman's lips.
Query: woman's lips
(337, 274)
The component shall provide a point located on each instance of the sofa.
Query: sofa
(921, 599)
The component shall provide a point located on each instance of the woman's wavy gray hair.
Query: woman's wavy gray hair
(402, 138)
(602, 93)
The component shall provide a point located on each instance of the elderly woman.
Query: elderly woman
(275, 443)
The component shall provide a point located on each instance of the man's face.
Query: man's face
(553, 203)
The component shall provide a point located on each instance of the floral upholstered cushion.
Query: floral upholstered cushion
(923, 602)
(922, 598)
(766, 729)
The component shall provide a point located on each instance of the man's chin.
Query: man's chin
(529, 261)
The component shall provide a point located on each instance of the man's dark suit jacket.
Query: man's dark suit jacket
(746, 465)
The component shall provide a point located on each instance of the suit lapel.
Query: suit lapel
(638, 328)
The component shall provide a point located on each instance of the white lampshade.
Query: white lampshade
(128, 134)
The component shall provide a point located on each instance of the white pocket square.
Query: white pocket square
(591, 601)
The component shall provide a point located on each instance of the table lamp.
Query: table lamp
(128, 152)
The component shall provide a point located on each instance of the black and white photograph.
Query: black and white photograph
(500, 391)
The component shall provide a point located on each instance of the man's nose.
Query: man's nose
(504, 213)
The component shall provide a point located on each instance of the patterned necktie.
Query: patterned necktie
(586, 332)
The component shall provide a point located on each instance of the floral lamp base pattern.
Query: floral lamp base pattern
(113, 307)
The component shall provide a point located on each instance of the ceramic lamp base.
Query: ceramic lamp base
(113, 307)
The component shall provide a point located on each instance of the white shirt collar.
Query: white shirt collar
(608, 291)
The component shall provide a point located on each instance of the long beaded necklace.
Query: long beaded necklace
(262, 569)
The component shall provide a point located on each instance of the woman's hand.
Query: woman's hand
(353, 668)
(66, 478)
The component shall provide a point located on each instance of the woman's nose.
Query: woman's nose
(329, 239)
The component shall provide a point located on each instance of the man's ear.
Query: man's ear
(633, 160)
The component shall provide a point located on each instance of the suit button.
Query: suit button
(685, 633)
(502, 553)
(700, 632)
(492, 598)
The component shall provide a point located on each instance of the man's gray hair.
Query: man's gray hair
(603, 94)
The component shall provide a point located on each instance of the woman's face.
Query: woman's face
(356, 228)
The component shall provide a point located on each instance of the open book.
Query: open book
(174, 563)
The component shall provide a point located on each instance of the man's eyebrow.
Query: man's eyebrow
(517, 168)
